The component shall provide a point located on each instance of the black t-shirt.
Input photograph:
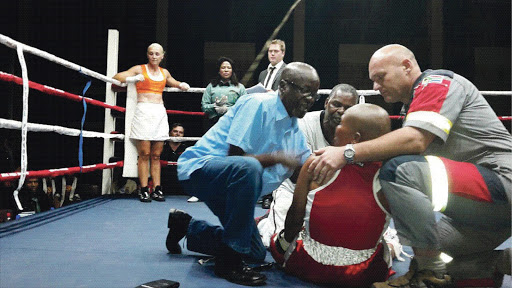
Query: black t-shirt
(170, 155)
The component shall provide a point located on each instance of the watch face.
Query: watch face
(349, 153)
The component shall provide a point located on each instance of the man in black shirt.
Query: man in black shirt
(171, 152)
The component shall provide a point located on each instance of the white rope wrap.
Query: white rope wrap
(24, 120)
(34, 127)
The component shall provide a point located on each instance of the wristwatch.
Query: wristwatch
(349, 153)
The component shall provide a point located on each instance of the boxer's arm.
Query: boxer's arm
(295, 217)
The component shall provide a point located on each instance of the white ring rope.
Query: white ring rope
(184, 139)
(34, 127)
(13, 44)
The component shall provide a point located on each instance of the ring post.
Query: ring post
(130, 148)
(110, 98)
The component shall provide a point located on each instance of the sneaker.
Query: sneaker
(76, 198)
(193, 199)
(178, 224)
(144, 195)
(158, 195)
(417, 279)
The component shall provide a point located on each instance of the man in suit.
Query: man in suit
(270, 77)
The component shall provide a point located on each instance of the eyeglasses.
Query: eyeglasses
(309, 95)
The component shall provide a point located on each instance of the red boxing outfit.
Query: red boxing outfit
(341, 242)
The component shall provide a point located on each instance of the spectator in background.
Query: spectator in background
(172, 150)
(32, 197)
(271, 76)
(222, 92)
(150, 126)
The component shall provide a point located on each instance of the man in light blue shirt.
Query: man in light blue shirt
(251, 150)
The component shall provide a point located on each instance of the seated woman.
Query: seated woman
(222, 92)
(333, 231)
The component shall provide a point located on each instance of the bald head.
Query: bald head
(298, 71)
(393, 70)
(362, 122)
(298, 88)
(395, 51)
(370, 120)
(157, 47)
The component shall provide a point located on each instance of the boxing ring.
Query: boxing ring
(111, 240)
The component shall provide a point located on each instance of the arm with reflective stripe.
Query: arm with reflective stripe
(403, 141)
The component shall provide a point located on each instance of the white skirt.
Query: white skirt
(150, 122)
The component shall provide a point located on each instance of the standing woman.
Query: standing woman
(222, 92)
(150, 126)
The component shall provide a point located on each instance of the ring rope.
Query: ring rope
(34, 127)
(9, 176)
(57, 92)
(13, 44)
(59, 171)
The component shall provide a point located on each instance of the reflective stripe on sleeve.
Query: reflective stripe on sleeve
(439, 179)
(434, 118)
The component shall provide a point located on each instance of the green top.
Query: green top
(215, 93)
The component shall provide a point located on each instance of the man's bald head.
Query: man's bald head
(393, 70)
(298, 88)
(396, 51)
(301, 72)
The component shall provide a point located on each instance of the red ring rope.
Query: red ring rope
(52, 91)
(9, 176)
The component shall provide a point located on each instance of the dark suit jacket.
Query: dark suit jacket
(275, 84)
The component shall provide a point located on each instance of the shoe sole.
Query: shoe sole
(174, 215)
(260, 282)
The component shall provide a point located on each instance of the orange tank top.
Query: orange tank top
(149, 85)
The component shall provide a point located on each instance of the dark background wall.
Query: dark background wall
(474, 42)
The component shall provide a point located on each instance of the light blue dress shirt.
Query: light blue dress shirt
(258, 124)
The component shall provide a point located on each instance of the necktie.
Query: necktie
(269, 76)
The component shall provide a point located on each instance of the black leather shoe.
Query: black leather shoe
(240, 274)
(178, 224)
